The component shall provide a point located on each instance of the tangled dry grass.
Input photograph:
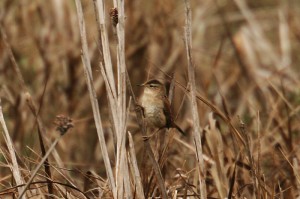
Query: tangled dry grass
(232, 69)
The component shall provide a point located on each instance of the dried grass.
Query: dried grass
(232, 70)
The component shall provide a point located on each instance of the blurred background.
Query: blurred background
(246, 57)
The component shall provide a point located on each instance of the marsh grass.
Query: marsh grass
(232, 69)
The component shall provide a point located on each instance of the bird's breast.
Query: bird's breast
(154, 111)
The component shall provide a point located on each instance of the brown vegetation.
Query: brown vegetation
(233, 72)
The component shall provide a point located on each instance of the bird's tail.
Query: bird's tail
(179, 129)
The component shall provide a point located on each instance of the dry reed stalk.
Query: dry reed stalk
(14, 167)
(124, 162)
(93, 98)
(136, 172)
(120, 145)
(107, 65)
(118, 103)
(196, 128)
(121, 167)
(121, 138)
(105, 45)
(117, 98)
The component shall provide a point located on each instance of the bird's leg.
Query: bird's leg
(139, 107)
(147, 137)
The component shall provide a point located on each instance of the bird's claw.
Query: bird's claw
(139, 108)
(146, 138)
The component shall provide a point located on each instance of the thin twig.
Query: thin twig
(39, 166)
(11, 189)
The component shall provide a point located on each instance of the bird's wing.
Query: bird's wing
(169, 116)
(168, 112)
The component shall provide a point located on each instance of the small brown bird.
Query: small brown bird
(156, 106)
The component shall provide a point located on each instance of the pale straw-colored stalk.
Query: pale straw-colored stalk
(136, 173)
(93, 97)
(14, 167)
(197, 130)
(121, 167)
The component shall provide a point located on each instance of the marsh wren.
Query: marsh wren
(156, 106)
